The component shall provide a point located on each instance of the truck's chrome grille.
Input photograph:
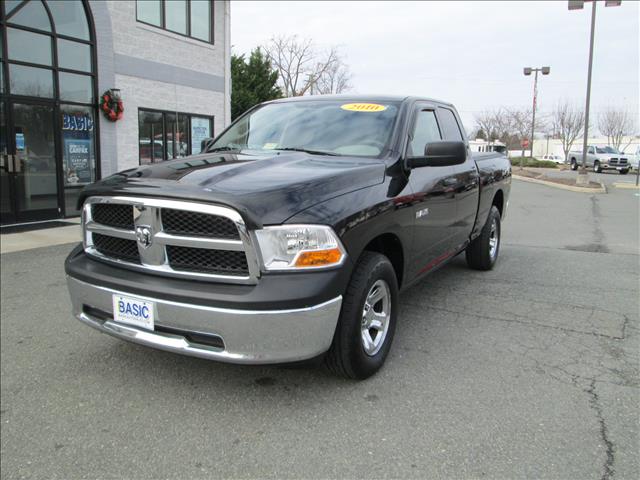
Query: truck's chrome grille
(115, 247)
(119, 216)
(170, 237)
(207, 261)
(195, 224)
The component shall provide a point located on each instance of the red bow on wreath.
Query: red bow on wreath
(111, 105)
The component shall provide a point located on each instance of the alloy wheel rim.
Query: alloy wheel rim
(493, 240)
(376, 315)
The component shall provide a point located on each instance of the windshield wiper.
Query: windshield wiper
(226, 148)
(312, 152)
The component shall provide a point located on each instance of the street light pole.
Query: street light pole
(527, 72)
(582, 179)
(533, 118)
(579, 5)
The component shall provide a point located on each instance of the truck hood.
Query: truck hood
(265, 189)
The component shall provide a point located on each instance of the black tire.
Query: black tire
(574, 164)
(347, 357)
(624, 172)
(479, 252)
(596, 167)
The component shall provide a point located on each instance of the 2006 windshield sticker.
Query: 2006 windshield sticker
(363, 107)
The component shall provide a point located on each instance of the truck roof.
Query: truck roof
(361, 98)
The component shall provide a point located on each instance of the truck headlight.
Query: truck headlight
(299, 247)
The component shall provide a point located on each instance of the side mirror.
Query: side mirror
(440, 154)
(205, 144)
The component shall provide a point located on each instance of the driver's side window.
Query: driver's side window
(425, 130)
(590, 150)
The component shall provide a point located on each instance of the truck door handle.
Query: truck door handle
(450, 182)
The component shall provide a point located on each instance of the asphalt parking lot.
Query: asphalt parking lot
(530, 370)
(608, 177)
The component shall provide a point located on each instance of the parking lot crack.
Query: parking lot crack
(519, 320)
(594, 402)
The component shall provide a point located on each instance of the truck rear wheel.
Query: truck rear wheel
(367, 321)
(482, 252)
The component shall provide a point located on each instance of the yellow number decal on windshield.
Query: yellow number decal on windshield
(363, 107)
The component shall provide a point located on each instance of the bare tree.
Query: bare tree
(567, 124)
(520, 121)
(615, 125)
(487, 121)
(335, 79)
(299, 63)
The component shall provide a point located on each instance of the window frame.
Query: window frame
(417, 108)
(163, 23)
(54, 67)
(164, 113)
(455, 119)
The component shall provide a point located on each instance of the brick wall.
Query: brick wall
(150, 82)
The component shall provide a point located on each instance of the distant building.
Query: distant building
(481, 145)
(168, 61)
(551, 146)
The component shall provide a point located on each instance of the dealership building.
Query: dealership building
(89, 88)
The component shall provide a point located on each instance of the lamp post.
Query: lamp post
(579, 5)
(527, 72)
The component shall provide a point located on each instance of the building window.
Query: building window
(167, 135)
(192, 18)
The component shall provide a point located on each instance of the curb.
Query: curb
(561, 186)
(626, 185)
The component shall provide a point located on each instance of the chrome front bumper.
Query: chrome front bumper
(248, 336)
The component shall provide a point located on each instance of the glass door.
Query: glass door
(7, 210)
(31, 166)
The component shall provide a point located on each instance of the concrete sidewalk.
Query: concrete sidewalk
(16, 242)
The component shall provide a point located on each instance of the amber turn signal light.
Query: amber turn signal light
(319, 258)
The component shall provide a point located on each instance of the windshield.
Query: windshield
(320, 127)
(606, 150)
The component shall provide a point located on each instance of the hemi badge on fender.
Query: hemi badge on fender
(422, 213)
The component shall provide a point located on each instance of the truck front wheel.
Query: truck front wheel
(367, 322)
(482, 252)
(596, 167)
(574, 164)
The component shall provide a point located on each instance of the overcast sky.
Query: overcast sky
(468, 53)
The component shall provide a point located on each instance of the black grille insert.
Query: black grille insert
(114, 247)
(201, 260)
(195, 224)
(113, 215)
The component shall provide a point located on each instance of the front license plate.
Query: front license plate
(133, 311)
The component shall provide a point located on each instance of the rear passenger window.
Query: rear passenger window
(449, 125)
(425, 130)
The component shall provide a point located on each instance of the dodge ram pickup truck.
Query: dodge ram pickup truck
(289, 237)
(601, 157)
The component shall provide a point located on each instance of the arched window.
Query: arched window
(48, 60)
(49, 50)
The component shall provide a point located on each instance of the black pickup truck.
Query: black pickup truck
(290, 236)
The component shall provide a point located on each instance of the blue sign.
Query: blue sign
(19, 141)
(77, 159)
